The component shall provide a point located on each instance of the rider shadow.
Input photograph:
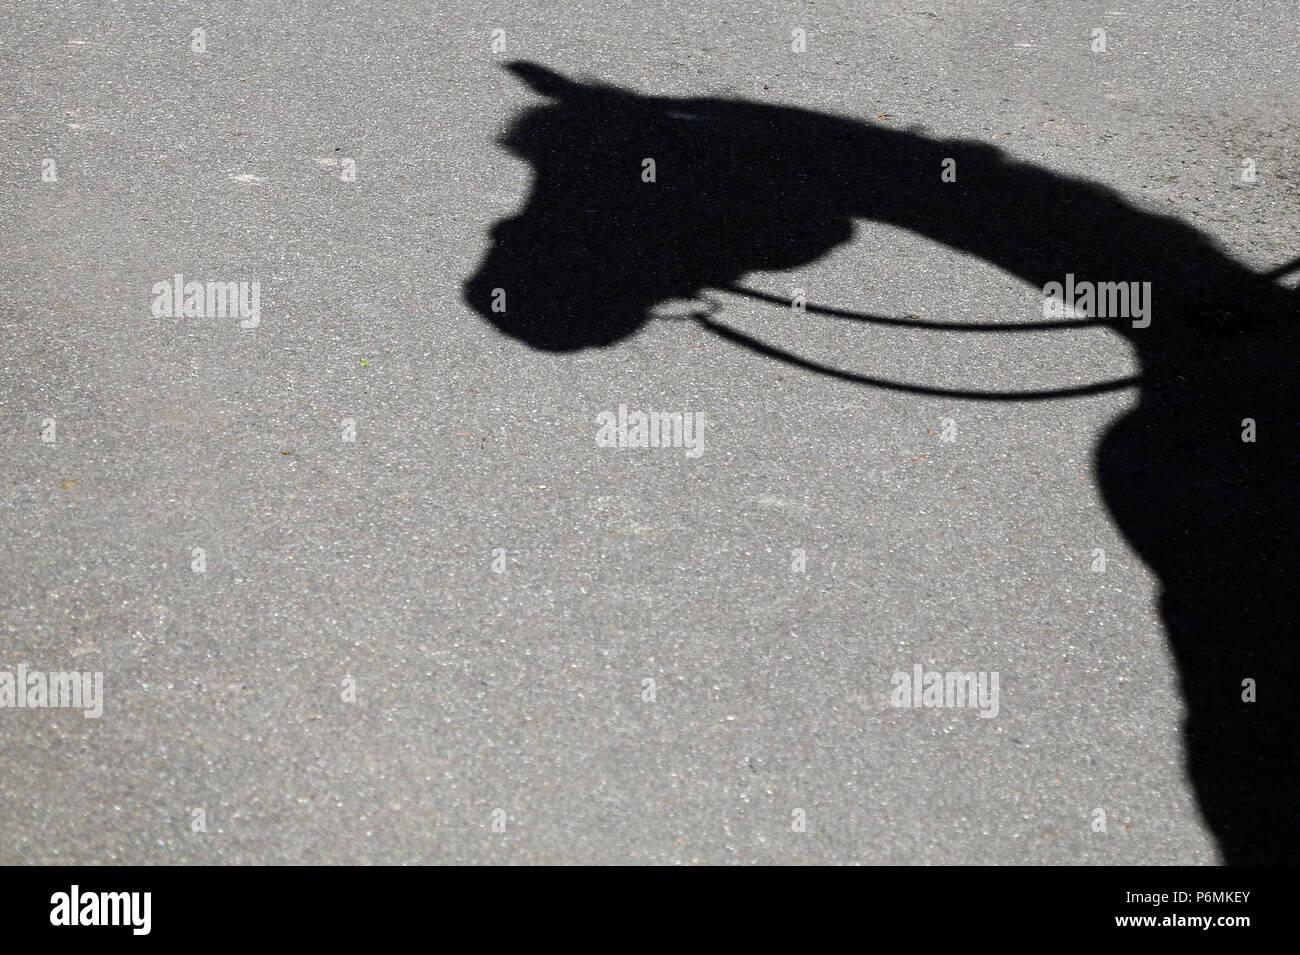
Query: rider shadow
(740, 187)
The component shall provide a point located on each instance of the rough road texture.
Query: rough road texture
(368, 564)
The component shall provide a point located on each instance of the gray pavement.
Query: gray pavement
(335, 568)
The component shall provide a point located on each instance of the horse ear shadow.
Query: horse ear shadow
(546, 82)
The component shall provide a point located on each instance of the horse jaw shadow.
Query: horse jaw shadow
(597, 246)
(739, 186)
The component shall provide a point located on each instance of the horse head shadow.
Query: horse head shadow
(740, 187)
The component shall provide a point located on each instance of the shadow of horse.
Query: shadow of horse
(743, 187)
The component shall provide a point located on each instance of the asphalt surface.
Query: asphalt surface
(332, 564)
